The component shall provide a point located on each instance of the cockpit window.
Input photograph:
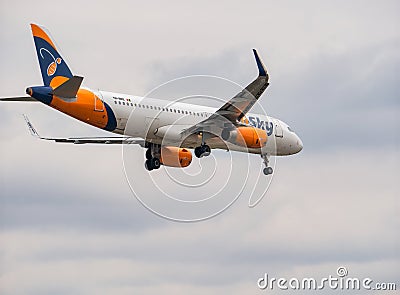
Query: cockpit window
(290, 129)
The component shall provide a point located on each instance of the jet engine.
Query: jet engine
(175, 157)
(250, 137)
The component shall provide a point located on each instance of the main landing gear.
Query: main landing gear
(153, 155)
(202, 151)
(267, 170)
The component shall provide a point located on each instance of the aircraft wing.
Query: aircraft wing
(236, 108)
(86, 140)
(97, 140)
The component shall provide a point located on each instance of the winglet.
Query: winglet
(32, 130)
(262, 71)
(69, 88)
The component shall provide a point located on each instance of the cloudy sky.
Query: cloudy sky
(69, 223)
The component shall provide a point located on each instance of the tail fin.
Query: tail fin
(52, 65)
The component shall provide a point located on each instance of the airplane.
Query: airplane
(166, 129)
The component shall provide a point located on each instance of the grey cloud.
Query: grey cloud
(335, 100)
(68, 223)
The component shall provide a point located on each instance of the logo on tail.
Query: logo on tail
(52, 68)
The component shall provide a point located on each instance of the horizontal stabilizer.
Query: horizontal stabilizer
(19, 98)
(69, 88)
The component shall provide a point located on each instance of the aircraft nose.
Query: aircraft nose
(299, 144)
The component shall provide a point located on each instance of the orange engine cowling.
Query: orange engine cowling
(175, 157)
(250, 137)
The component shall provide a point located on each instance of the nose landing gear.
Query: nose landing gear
(267, 170)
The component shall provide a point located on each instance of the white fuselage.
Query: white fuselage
(142, 117)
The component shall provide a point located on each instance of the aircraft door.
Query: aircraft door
(121, 123)
(98, 102)
(278, 129)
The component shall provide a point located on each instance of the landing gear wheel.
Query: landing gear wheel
(148, 154)
(206, 150)
(153, 163)
(268, 170)
(147, 165)
(202, 151)
(197, 152)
